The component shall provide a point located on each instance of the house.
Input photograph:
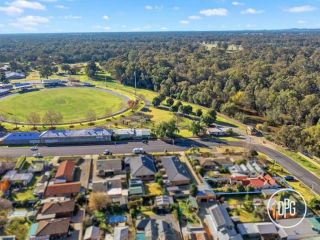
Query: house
(40, 189)
(121, 233)
(220, 224)
(215, 163)
(21, 178)
(59, 209)
(175, 172)
(63, 190)
(109, 167)
(4, 187)
(122, 134)
(53, 83)
(50, 229)
(194, 232)
(136, 188)
(155, 229)
(163, 202)
(12, 237)
(141, 167)
(5, 166)
(142, 133)
(261, 182)
(113, 188)
(218, 131)
(96, 135)
(38, 166)
(92, 233)
(21, 138)
(65, 172)
(4, 91)
(205, 194)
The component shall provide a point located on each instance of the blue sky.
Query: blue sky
(20, 16)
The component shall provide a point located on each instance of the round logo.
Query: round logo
(286, 208)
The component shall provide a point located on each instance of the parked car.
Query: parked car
(138, 150)
(37, 155)
(34, 148)
(289, 178)
(106, 152)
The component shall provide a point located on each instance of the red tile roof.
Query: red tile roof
(63, 189)
(53, 227)
(259, 182)
(58, 207)
(65, 170)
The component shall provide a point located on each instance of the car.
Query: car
(37, 155)
(138, 150)
(145, 141)
(289, 178)
(34, 148)
(106, 152)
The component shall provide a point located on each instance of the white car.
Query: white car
(138, 150)
(37, 155)
(34, 148)
(106, 152)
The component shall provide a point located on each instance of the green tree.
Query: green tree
(156, 101)
(207, 120)
(199, 112)
(91, 69)
(196, 128)
(193, 189)
(167, 129)
(170, 101)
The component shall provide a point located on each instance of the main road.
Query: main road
(160, 146)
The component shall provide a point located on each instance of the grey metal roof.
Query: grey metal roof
(96, 132)
(121, 233)
(109, 164)
(220, 216)
(175, 170)
(141, 165)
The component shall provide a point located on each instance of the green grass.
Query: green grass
(72, 103)
(153, 189)
(190, 216)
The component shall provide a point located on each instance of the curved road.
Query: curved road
(159, 146)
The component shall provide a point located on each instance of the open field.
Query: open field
(72, 103)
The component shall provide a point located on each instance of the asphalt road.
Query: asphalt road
(160, 146)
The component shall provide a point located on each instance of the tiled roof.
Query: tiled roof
(58, 207)
(142, 165)
(63, 189)
(53, 227)
(65, 170)
(175, 170)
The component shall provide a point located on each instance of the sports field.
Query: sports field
(73, 103)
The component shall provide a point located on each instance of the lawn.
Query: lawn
(153, 189)
(184, 211)
(26, 194)
(72, 103)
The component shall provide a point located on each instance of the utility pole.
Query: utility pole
(135, 84)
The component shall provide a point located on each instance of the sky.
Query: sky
(50, 16)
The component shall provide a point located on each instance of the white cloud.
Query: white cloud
(17, 7)
(194, 17)
(148, 7)
(301, 9)
(105, 17)
(10, 10)
(29, 22)
(155, 7)
(214, 12)
(28, 5)
(235, 3)
(72, 17)
(251, 11)
(302, 22)
(60, 6)
(184, 22)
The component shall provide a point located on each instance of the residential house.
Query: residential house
(14, 75)
(194, 232)
(50, 229)
(65, 172)
(12, 237)
(155, 229)
(92, 233)
(141, 167)
(63, 190)
(38, 166)
(220, 224)
(40, 189)
(215, 162)
(121, 233)
(113, 188)
(309, 228)
(163, 202)
(261, 182)
(59, 209)
(109, 167)
(136, 188)
(21, 178)
(175, 172)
